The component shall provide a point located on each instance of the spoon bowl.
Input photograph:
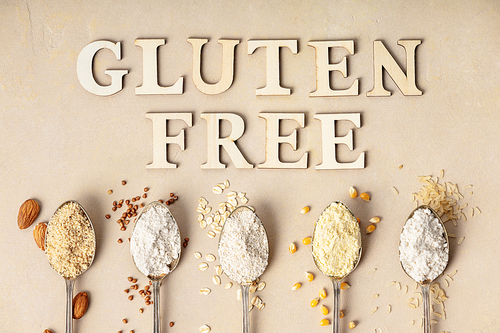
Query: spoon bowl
(426, 282)
(355, 238)
(62, 215)
(243, 269)
(156, 268)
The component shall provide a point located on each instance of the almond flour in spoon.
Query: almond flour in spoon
(70, 241)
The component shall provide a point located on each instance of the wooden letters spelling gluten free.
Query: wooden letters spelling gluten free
(382, 60)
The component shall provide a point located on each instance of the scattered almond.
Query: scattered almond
(39, 235)
(27, 213)
(80, 305)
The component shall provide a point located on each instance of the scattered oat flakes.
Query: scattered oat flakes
(205, 291)
(205, 329)
(252, 289)
(238, 294)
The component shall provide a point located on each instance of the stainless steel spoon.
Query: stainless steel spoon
(336, 280)
(70, 281)
(227, 256)
(425, 285)
(175, 253)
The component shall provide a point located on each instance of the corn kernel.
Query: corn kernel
(353, 193)
(352, 325)
(296, 286)
(314, 302)
(322, 293)
(309, 276)
(357, 219)
(324, 310)
(371, 228)
(344, 286)
(324, 322)
(292, 248)
(341, 314)
(375, 219)
(304, 210)
(365, 196)
(307, 240)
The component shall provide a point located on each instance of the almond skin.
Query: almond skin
(39, 235)
(27, 213)
(80, 305)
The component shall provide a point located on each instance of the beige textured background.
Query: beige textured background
(59, 142)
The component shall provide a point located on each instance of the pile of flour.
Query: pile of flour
(243, 247)
(423, 249)
(156, 241)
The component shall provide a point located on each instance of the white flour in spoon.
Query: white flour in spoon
(423, 249)
(243, 247)
(156, 241)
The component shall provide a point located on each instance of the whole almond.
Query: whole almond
(80, 305)
(27, 213)
(39, 235)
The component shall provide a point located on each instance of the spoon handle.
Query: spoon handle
(156, 307)
(70, 283)
(244, 297)
(427, 310)
(336, 305)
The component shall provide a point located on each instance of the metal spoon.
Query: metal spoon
(425, 285)
(70, 281)
(336, 280)
(230, 257)
(167, 268)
